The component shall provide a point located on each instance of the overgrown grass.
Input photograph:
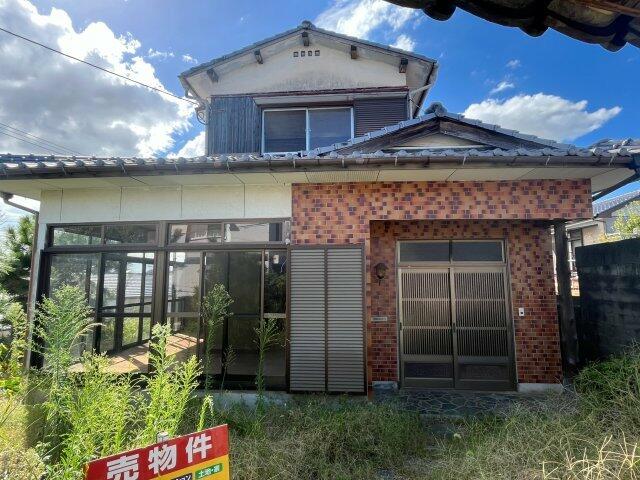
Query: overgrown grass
(598, 439)
(322, 439)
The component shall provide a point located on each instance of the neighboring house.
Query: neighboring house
(388, 247)
(601, 226)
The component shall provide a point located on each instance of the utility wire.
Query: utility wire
(159, 90)
(43, 140)
(33, 143)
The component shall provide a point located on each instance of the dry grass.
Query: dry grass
(597, 441)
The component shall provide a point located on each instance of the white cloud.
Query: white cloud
(513, 64)
(547, 116)
(189, 59)
(73, 104)
(359, 18)
(501, 87)
(405, 42)
(193, 148)
(151, 53)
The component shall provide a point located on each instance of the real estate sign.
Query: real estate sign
(200, 455)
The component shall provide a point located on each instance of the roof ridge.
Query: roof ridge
(305, 25)
(438, 110)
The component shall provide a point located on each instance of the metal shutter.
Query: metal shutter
(376, 113)
(326, 320)
(307, 320)
(345, 349)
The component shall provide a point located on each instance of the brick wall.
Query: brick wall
(377, 214)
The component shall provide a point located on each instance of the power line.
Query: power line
(159, 90)
(33, 143)
(44, 140)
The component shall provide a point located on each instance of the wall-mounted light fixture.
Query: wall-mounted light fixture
(381, 271)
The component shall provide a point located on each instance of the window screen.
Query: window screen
(490, 251)
(285, 131)
(329, 126)
(424, 252)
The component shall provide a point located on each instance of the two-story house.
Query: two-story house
(392, 244)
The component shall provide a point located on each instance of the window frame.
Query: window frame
(451, 262)
(307, 127)
(159, 280)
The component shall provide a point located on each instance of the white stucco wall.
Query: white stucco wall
(76, 205)
(281, 71)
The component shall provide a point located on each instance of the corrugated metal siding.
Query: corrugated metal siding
(326, 320)
(307, 320)
(374, 113)
(234, 126)
(345, 349)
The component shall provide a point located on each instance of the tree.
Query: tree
(628, 223)
(15, 259)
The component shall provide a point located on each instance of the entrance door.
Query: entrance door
(455, 325)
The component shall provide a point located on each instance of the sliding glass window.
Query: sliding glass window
(120, 267)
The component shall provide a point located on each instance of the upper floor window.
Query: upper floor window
(292, 130)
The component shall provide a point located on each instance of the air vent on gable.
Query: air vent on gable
(306, 53)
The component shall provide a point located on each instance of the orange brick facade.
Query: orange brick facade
(376, 215)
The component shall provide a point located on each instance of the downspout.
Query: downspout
(6, 197)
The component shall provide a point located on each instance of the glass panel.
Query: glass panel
(77, 235)
(146, 328)
(244, 282)
(275, 283)
(107, 335)
(130, 330)
(329, 126)
(253, 232)
(476, 251)
(243, 340)
(185, 338)
(183, 289)
(285, 131)
(127, 283)
(110, 285)
(134, 357)
(115, 234)
(424, 251)
(196, 233)
(75, 269)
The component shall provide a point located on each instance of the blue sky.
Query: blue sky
(473, 54)
(553, 85)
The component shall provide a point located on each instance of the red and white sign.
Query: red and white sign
(200, 455)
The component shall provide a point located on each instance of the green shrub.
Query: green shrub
(99, 411)
(169, 389)
(12, 356)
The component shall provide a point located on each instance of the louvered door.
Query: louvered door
(326, 333)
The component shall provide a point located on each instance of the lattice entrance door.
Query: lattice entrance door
(456, 327)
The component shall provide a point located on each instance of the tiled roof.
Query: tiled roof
(603, 206)
(437, 110)
(550, 153)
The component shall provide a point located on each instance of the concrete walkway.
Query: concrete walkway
(460, 404)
